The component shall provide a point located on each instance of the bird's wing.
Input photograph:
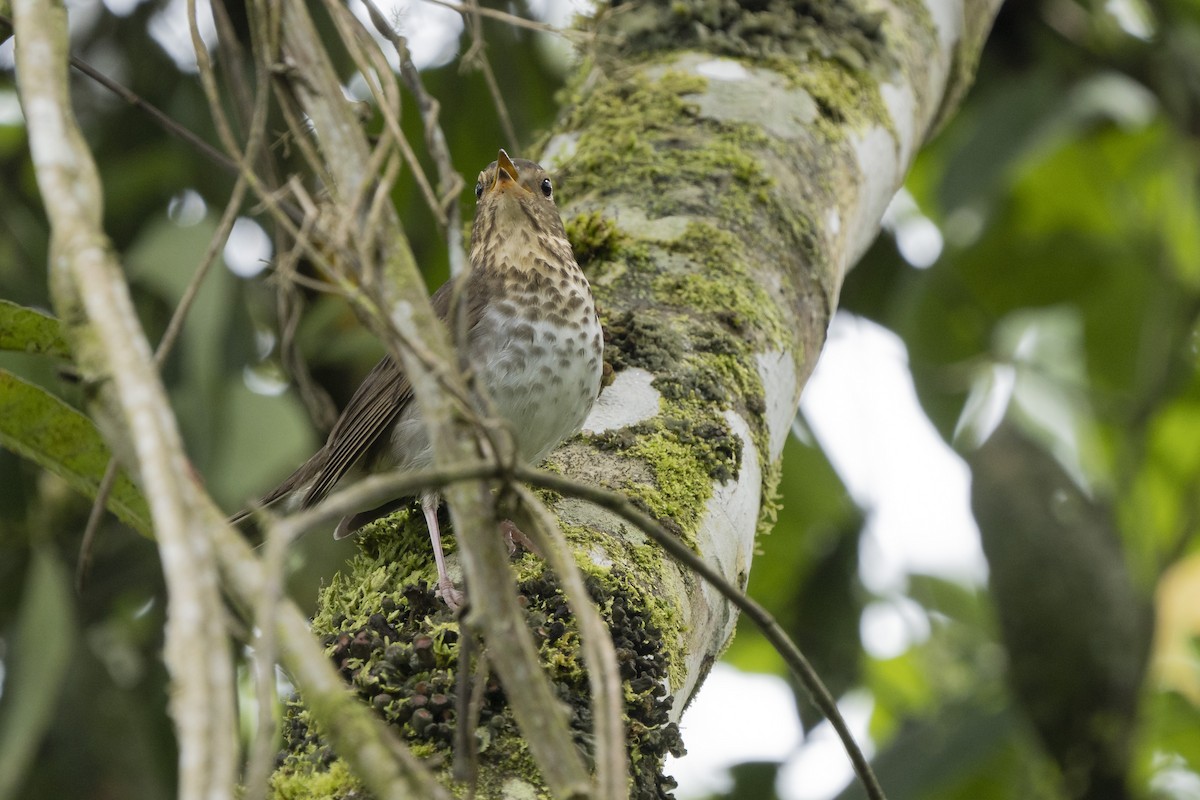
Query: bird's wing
(370, 414)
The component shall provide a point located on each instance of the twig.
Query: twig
(596, 644)
(510, 19)
(174, 327)
(289, 305)
(380, 79)
(155, 113)
(166, 123)
(83, 564)
(450, 183)
(467, 710)
(266, 652)
(477, 54)
(620, 505)
(375, 489)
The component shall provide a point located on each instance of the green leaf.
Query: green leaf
(29, 331)
(38, 426)
(40, 656)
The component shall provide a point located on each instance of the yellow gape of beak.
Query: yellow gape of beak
(506, 172)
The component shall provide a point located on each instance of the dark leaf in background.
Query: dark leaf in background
(1076, 629)
(754, 780)
(41, 647)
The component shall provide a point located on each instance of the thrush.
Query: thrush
(533, 343)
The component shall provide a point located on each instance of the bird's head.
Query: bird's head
(515, 215)
(514, 180)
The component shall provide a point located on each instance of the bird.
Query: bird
(533, 342)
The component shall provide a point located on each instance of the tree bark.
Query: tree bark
(722, 171)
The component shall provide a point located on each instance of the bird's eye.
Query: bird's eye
(479, 190)
(547, 189)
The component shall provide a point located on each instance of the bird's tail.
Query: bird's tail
(291, 485)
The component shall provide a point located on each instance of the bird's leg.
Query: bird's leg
(446, 589)
(514, 537)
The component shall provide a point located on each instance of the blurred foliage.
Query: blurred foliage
(1065, 296)
(1066, 291)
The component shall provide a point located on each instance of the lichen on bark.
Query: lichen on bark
(398, 648)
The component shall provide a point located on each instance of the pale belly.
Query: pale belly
(540, 378)
(544, 380)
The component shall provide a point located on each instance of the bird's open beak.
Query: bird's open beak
(506, 172)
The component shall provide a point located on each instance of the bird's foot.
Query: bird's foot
(450, 594)
(514, 538)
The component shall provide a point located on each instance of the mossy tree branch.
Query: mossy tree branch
(717, 189)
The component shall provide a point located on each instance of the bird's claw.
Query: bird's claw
(450, 594)
(514, 538)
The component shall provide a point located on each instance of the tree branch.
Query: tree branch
(91, 296)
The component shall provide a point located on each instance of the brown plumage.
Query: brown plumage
(533, 342)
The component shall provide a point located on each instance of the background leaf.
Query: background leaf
(30, 331)
(44, 429)
(40, 655)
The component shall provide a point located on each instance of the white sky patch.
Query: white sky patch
(264, 341)
(122, 8)
(862, 406)
(10, 108)
(917, 237)
(187, 208)
(1173, 779)
(264, 382)
(432, 31)
(986, 405)
(1133, 16)
(709, 722)
(559, 13)
(888, 628)
(248, 249)
(822, 769)
(171, 30)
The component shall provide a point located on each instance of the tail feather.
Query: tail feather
(303, 476)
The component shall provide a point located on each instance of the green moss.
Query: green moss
(643, 136)
(800, 31)
(847, 100)
(397, 647)
(708, 320)
(639, 339)
(336, 781)
(684, 453)
(720, 283)
(657, 105)
(593, 237)
(771, 500)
